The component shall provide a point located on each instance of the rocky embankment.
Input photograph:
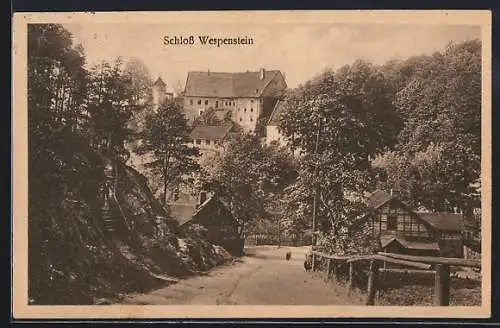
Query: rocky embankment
(75, 259)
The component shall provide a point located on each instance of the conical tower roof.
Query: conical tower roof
(159, 83)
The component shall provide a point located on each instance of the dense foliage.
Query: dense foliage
(166, 135)
(247, 175)
(410, 126)
(437, 160)
(78, 123)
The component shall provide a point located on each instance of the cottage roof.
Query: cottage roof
(182, 212)
(159, 83)
(210, 131)
(385, 240)
(443, 221)
(278, 110)
(228, 85)
(378, 198)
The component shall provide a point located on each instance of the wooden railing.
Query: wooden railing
(438, 266)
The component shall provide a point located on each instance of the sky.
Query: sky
(300, 51)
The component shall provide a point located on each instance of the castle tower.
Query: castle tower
(159, 92)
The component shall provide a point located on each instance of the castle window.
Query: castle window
(191, 101)
(198, 141)
(241, 119)
(251, 109)
(251, 119)
(251, 101)
(206, 102)
(216, 103)
(199, 101)
(245, 110)
(201, 112)
(207, 141)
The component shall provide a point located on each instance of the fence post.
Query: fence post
(336, 271)
(442, 285)
(372, 282)
(351, 275)
(328, 269)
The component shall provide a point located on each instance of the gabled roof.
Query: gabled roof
(159, 83)
(443, 221)
(386, 240)
(182, 212)
(227, 85)
(275, 117)
(378, 198)
(211, 199)
(210, 131)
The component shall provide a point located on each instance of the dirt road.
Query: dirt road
(263, 278)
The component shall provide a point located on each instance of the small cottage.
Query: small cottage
(209, 138)
(213, 216)
(401, 230)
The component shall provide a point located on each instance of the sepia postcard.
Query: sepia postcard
(251, 164)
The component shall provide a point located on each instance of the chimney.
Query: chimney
(208, 72)
(262, 73)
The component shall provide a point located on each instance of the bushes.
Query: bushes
(358, 243)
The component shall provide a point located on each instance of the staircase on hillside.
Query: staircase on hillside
(108, 221)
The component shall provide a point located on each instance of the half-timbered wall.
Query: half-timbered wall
(392, 217)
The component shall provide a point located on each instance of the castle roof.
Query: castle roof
(228, 85)
(278, 110)
(159, 83)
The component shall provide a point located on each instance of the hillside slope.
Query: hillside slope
(72, 258)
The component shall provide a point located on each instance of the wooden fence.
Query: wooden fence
(275, 239)
(438, 266)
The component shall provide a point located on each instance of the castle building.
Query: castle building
(160, 93)
(248, 96)
(273, 132)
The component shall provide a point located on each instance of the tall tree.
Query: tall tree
(111, 102)
(56, 102)
(56, 78)
(165, 136)
(140, 79)
(437, 160)
(339, 120)
(208, 117)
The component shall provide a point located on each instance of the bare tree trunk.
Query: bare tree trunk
(165, 180)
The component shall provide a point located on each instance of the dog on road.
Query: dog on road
(288, 255)
(307, 263)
